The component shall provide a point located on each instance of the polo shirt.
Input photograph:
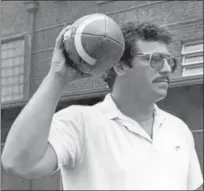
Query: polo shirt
(98, 148)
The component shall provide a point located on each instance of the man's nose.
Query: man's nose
(166, 68)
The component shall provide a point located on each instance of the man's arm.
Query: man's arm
(27, 150)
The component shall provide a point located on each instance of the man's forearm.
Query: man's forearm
(27, 139)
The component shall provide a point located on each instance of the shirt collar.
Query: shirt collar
(112, 111)
(110, 108)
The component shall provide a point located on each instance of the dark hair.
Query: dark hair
(132, 32)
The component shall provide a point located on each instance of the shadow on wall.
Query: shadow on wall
(187, 104)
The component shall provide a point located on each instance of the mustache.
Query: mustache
(162, 78)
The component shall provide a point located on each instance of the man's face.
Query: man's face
(145, 81)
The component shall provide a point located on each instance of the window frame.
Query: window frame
(185, 55)
(26, 74)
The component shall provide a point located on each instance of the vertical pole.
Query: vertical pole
(31, 8)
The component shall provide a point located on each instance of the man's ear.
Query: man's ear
(121, 68)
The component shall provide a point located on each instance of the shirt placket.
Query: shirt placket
(158, 121)
(135, 128)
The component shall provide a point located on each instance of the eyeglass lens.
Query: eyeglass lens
(158, 60)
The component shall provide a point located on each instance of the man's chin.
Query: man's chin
(161, 95)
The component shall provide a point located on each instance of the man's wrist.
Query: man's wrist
(56, 83)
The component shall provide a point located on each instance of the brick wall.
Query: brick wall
(169, 11)
(184, 19)
(53, 12)
(13, 16)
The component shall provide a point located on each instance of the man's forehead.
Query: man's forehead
(151, 46)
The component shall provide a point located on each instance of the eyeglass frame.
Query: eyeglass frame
(166, 56)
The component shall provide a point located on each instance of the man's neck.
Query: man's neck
(135, 108)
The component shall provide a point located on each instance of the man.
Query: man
(124, 142)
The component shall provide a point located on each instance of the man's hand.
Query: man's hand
(61, 67)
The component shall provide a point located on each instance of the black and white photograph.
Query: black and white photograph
(101, 95)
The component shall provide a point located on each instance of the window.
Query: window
(192, 61)
(12, 70)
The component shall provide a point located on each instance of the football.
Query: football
(94, 43)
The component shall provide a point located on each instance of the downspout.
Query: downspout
(31, 8)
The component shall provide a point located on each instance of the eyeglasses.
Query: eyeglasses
(157, 60)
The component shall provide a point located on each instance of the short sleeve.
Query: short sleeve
(195, 178)
(66, 135)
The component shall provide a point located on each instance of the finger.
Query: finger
(59, 40)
